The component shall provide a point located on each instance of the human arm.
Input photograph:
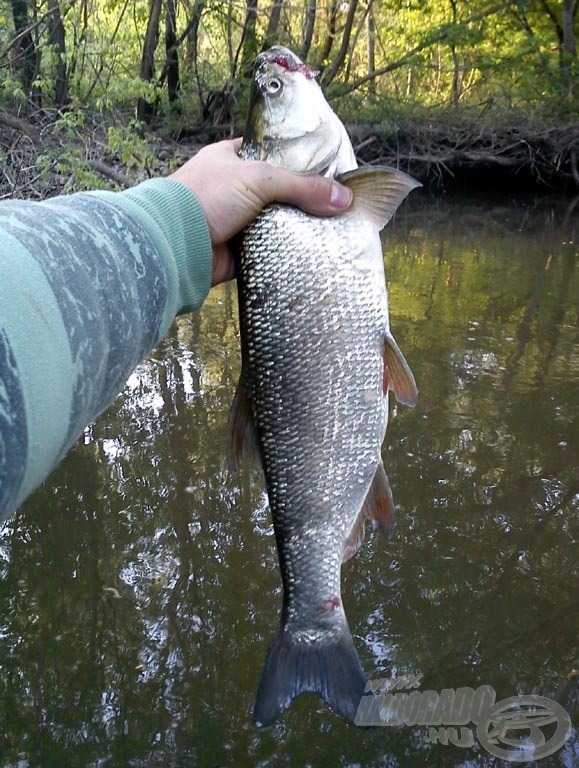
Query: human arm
(89, 283)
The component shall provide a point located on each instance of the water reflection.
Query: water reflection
(140, 585)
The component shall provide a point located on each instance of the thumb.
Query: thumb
(314, 194)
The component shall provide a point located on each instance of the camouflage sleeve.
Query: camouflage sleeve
(89, 283)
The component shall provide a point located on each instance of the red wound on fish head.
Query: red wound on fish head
(286, 62)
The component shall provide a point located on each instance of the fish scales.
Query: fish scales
(313, 369)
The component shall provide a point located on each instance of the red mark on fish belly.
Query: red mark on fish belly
(332, 603)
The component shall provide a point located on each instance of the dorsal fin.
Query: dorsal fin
(378, 191)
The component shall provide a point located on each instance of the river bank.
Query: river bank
(51, 152)
(445, 154)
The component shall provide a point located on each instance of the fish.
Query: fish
(318, 360)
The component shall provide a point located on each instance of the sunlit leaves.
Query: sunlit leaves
(489, 56)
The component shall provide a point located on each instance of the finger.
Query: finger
(226, 146)
(313, 194)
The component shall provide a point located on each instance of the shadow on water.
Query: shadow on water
(140, 585)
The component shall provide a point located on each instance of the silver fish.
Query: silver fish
(318, 359)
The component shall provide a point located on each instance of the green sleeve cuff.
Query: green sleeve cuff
(174, 220)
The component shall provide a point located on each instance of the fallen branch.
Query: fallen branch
(109, 172)
(549, 153)
(574, 171)
(18, 124)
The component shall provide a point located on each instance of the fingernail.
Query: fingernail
(340, 196)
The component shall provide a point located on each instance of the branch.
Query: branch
(31, 27)
(18, 124)
(331, 71)
(553, 18)
(439, 37)
(109, 172)
(574, 171)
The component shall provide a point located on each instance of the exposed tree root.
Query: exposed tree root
(44, 155)
(548, 154)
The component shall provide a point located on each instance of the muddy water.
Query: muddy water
(139, 587)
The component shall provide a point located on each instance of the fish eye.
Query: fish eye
(273, 86)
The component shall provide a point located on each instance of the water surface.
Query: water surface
(139, 587)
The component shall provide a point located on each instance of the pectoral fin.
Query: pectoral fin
(378, 191)
(399, 377)
(242, 441)
(378, 507)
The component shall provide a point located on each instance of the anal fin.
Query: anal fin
(378, 507)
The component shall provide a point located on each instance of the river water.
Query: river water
(139, 587)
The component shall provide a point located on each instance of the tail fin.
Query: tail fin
(329, 666)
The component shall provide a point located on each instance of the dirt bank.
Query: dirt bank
(46, 153)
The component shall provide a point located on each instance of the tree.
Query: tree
(273, 24)
(248, 46)
(25, 59)
(144, 107)
(330, 72)
(308, 33)
(172, 65)
(58, 41)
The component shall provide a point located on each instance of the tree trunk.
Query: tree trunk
(26, 55)
(192, 35)
(173, 81)
(144, 108)
(371, 49)
(362, 25)
(569, 51)
(456, 80)
(248, 44)
(58, 40)
(338, 62)
(308, 32)
(569, 11)
(273, 24)
(327, 49)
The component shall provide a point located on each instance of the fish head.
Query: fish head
(290, 124)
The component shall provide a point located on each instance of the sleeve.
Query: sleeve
(89, 284)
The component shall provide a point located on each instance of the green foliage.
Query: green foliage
(128, 142)
(72, 168)
(11, 89)
(431, 55)
(69, 157)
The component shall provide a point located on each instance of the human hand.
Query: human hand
(232, 192)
